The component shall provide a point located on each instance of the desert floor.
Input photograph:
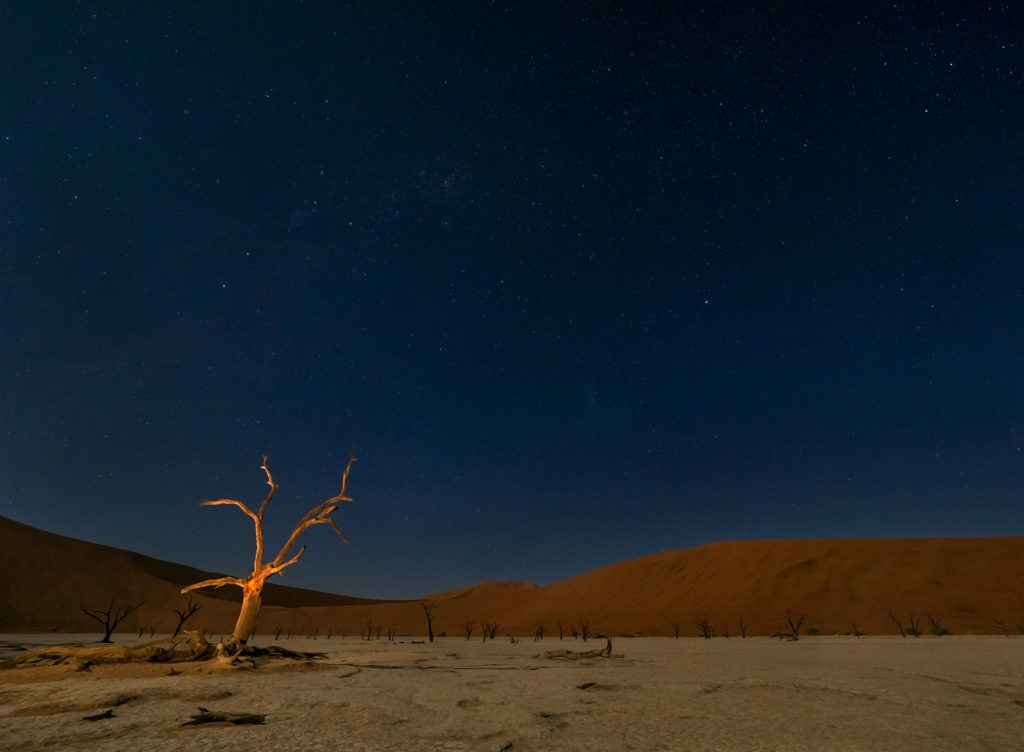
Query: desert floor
(836, 693)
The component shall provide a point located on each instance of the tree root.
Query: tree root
(238, 653)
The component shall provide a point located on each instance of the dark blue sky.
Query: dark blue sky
(580, 283)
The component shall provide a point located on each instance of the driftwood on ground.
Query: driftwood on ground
(108, 713)
(189, 646)
(158, 650)
(217, 716)
(569, 655)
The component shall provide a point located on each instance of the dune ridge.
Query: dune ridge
(965, 584)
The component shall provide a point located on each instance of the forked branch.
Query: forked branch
(318, 515)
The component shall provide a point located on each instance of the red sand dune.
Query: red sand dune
(964, 583)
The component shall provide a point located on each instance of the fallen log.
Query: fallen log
(167, 649)
(108, 713)
(219, 716)
(164, 649)
(569, 655)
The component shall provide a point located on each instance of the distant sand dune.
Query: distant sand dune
(965, 583)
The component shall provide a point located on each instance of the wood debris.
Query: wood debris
(217, 716)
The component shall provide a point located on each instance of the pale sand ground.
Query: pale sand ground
(822, 693)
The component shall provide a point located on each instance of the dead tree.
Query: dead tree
(913, 629)
(585, 629)
(183, 615)
(428, 611)
(467, 629)
(705, 628)
(743, 629)
(794, 628)
(111, 617)
(490, 629)
(252, 586)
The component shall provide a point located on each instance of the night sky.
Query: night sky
(581, 283)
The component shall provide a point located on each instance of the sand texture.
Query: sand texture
(834, 693)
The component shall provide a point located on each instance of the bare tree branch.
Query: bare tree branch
(232, 502)
(272, 569)
(257, 521)
(184, 614)
(334, 526)
(218, 582)
(270, 482)
(318, 515)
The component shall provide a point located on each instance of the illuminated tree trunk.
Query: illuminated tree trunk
(252, 599)
(252, 586)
